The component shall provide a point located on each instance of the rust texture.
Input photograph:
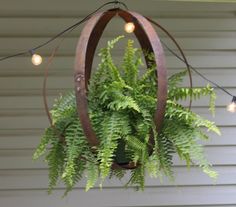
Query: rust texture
(85, 51)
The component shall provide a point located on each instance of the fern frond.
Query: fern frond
(75, 145)
(139, 149)
(55, 160)
(108, 61)
(92, 175)
(165, 151)
(197, 154)
(48, 136)
(79, 167)
(137, 178)
(153, 166)
(131, 62)
(64, 106)
(184, 139)
(209, 125)
(176, 79)
(123, 102)
(176, 110)
(118, 173)
(111, 128)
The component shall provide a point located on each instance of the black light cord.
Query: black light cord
(80, 22)
(116, 3)
(69, 29)
(196, 71)
(14, 55)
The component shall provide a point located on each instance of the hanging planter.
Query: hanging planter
(89, 39)
(118, 119)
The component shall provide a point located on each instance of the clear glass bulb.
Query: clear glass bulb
(129, 27)
(231, 107)
(36, 59)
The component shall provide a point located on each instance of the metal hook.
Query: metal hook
(116, 4)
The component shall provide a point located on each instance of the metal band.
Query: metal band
(180, 50)
(86, 47)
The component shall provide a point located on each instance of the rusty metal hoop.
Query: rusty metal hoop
(85, 51)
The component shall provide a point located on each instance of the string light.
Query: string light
(232, 106)
(36, 59)
(68, 29)
(129, 27)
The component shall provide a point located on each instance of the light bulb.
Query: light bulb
(129, 27)
(36, 59)
(232, 106)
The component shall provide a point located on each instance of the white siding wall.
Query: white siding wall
(207, 32)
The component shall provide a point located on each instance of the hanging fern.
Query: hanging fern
(55, 160)
(122, 102)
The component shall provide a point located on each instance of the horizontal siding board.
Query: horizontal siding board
(26, 141)
(22, 159)
(67, 82)
(61, 63)
(81, 7)
(168, 196)
(11, 70)
(21, 122)
(36, 101)
(50, 26)
(9, 45)
(207, 34)
(24, 102)
(222, 117)
(38, 120)
(227, 137)
(20, 141)
(156, 7)
(38, 179)
(34, 26)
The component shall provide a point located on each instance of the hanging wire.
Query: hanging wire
(181, 52)
(184, 59)
(68, 29)
(116, 3)
(196, 71)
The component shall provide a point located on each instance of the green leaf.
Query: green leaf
(48, 136)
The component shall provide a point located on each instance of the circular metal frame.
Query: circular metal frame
(85, 51)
